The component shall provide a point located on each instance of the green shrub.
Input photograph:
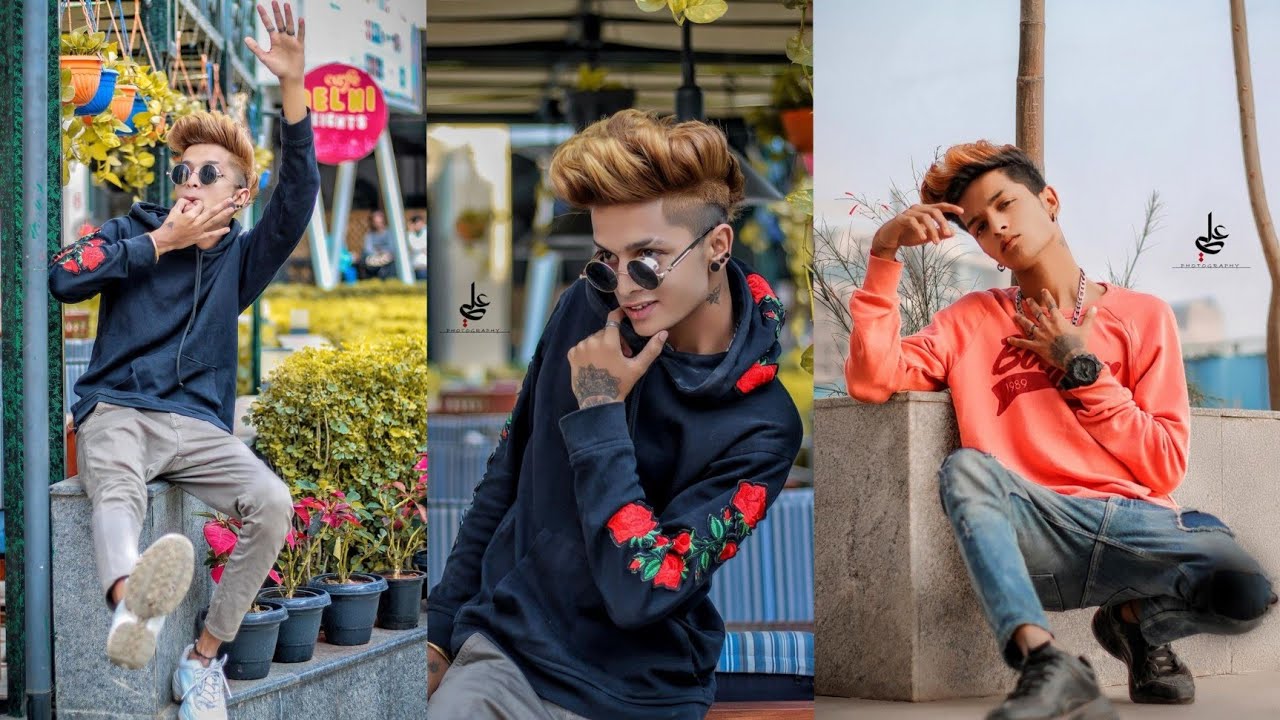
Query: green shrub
(351, 418)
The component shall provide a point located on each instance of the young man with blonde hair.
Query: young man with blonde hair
(1071, 401)
(648, 440)
(158, 396)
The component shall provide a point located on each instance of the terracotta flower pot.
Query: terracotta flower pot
(122, 103)
(798, 127)
(86, 73)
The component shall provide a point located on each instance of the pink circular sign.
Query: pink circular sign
(348, 112)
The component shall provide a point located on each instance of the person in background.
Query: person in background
(378, 254)
(418, 245)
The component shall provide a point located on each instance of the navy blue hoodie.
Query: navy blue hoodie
(589, 546)
(167, 335)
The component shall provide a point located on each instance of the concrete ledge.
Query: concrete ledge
(86, 683)
(896, 618)
(384, 679)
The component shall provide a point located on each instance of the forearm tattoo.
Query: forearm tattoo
(433, 666)
(1064, 347)
(713, 297)
(593, 386)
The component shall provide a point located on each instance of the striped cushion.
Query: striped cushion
(773, 652)
(771, 578)
(460, 448)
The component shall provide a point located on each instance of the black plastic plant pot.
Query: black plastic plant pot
(420, 562)
(298, 634)
(349, 619)
(588, 106)
(401, 604)
(249, 655)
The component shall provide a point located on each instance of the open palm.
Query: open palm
(285, 58)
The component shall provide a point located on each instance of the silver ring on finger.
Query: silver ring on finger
(613, 323)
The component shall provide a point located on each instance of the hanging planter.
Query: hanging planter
(797, 126)
(86, 74)
(122, 103)
(139, 106)
(81, 52)
(101, 99)
(594, 96)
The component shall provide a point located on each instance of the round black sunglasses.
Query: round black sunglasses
(643, 271)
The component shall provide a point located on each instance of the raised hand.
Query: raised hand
(916, 225)
(285, 58)
(1050, 335)
(600, 370)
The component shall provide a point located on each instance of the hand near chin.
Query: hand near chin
(601, 370)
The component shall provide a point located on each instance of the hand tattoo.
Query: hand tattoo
(594, 386)
(1064, 347)
(713, 297)
(433, 666)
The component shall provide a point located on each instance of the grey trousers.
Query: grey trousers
(119, 450)
(482, 683)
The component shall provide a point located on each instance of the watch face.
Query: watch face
(1085, 368)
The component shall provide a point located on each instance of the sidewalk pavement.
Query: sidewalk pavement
(1254, 696)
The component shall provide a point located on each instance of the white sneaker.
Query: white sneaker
(202, 690)
(156, 587)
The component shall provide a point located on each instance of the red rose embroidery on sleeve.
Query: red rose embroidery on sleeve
(661, 540)
(671, 574)
(630, 522)
(635, 565)
(750, 501)
(682, 542)
(730, 549)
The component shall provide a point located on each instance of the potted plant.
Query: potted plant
(298, 633)
(794, 102)
(594, 96)
(402, 512)
(350, 616)
(81, 52)
(249, 653)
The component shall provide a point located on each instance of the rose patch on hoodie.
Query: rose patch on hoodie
(666, 559)
(84, 255)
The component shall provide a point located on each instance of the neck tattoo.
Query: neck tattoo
(713, 297)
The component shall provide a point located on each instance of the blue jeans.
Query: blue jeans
(1030, 549)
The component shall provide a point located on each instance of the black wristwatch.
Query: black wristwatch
(1081, 370)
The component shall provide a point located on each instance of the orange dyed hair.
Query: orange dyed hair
(215, 128)
(635, 157)
(948, 178)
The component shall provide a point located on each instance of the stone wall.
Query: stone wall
(896, 618)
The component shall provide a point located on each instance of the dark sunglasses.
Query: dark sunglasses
(643, 271)
(208, 174)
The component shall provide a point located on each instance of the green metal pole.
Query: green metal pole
(159, 26)
(13, 270)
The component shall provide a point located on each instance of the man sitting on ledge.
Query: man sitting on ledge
(1071, 401)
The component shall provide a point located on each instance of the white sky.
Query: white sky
(1139, 96)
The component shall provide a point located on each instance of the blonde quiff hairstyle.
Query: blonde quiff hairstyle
(215, 128)
(636, 157)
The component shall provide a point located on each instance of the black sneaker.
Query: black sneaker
(1156, 675)
(1055, 686)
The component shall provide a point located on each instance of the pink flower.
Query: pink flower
(216, 573)
(422, 464)
(220, 538)
(275, 576)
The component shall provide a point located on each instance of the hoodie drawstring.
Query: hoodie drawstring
(195, 301)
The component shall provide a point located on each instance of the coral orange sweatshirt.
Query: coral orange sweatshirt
(1125, 435)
